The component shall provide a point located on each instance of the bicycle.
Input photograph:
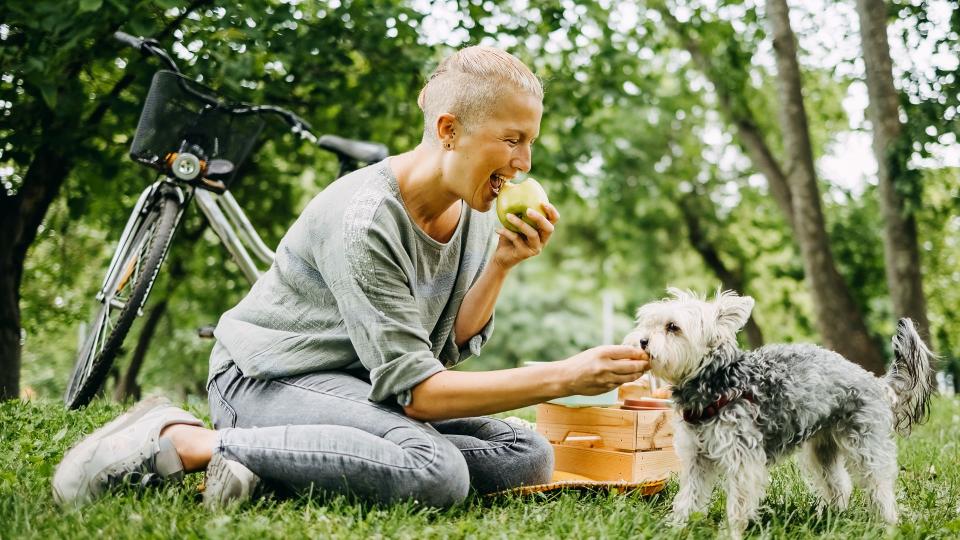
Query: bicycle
(197, 141)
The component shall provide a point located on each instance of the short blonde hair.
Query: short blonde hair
(468, 84)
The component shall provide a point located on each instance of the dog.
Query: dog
(738, 412)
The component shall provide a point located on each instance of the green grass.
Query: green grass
(34, 435)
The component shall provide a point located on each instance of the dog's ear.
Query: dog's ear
(732, 314)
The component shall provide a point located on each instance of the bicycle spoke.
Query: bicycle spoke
(132, 270)
(93, 345)
(103, 333)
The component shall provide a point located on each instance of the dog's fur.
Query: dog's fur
(781, 398)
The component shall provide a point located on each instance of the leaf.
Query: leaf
(49, 92)
(89, 5)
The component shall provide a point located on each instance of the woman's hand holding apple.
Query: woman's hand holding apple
(528, 219)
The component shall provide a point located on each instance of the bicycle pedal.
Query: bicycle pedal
(206, 332)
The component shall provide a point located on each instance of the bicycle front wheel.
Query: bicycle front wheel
(123, 296)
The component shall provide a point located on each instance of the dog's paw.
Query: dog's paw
(677, 521)
(736, 529)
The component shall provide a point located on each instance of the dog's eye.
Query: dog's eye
(673, 328)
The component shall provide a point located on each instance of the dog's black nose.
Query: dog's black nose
(643, 343)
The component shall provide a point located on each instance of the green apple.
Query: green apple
(517, 198)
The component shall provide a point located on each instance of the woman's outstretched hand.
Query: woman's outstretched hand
(514, 247)
(601, 369)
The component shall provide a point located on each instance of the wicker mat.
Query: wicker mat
(564, 480)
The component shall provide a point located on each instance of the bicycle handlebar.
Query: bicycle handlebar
(298, 125)
(146, 46)
(128, 40)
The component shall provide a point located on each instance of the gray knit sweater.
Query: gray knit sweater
(357, 284)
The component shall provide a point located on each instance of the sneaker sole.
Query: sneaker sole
(117, 424)
(219, 468)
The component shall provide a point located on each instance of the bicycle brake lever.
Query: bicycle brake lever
(219, 166)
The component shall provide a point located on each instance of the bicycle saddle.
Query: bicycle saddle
(367, 152)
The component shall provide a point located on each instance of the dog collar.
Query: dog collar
(708, 412)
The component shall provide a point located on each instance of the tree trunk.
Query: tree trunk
(838, 317)
(20, 216)
(902, 255)
(127, 386)
(839, 320)
(9, 331)
(22, 213)
(729, 279)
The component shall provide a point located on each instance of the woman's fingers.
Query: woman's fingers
(529, 233)
(621, 352)
(624, 379)
(630, 367)
(544, 226)
(529, 239)
(514, 238)
(551, 212)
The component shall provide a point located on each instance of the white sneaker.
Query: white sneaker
(228, 482)
(126, 450)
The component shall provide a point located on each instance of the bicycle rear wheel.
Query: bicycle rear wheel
(123, 296)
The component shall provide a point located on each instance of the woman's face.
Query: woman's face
(494, 151)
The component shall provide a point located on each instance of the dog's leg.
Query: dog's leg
(871, 453)
(744, 464)
(821, 461)
(874, 461)
(746, 486)
(881, 488)
(698, 475)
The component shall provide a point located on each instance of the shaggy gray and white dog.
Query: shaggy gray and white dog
(740, 411)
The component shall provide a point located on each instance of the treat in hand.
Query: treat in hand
(662, 393)
(517, 198)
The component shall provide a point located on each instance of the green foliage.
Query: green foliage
(36, 434)
(931, 100)
(855, 235)
(939, 225)
(630, 132)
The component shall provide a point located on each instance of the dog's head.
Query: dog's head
(678, 332)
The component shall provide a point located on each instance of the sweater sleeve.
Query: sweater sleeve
(473, 345)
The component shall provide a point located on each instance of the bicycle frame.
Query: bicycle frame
(230, 223)
(146, 198)
(225, 216)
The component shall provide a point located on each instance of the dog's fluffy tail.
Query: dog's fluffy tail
(911, 377)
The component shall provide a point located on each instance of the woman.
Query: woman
(332, 372)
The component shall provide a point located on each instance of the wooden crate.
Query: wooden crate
(617, 428)
(609, 443)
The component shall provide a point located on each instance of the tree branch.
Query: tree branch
(742, 118)
(729, 279)
(98, 113)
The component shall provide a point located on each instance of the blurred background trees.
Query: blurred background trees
(669, 143)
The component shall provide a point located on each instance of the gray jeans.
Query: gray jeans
(319, 431)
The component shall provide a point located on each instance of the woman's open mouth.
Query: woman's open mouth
(496, 182)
